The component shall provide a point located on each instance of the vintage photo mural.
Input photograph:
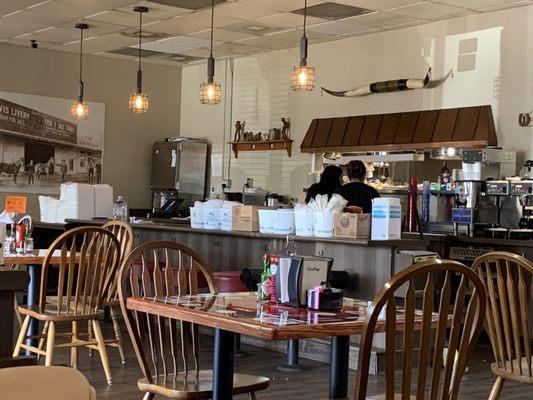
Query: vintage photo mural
(41, 146)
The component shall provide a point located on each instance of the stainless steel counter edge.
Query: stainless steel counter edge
(177, 227)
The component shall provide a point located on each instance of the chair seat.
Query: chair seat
(515, 374)
(199, 386)
(37, 382)
(50, 313)
(229, 282)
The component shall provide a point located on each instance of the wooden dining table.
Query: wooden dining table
(33, 260)
(241, 313)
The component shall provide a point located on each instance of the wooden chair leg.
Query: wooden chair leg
(22, 336)
(17, 314)
(252, 396)
(496, 389)
(118, 333)
(50, 344)
(74, 349)
(42, 339)
(91, 336)
(102, 350)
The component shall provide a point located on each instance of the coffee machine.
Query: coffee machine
(472, 209)
(522, 193)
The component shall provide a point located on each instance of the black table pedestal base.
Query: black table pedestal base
(292, 365)
(223, 365)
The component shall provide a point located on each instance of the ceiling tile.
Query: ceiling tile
(176, 26)
(252, 28)
(203, 18)
(241, 48)
(378, 4)
(95, 28)
(282, 5)
(97, 44)
(8, 7)
(382, 20)
(155, 11)
(430, 11)
(295, 35)
(189, 4)
(120, 18)
(26, 42)
(340, 28)
(176, 44)
(222, 35)
(482, 4)
(243, 11)
(289, 20)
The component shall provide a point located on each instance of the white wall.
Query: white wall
(503, 77)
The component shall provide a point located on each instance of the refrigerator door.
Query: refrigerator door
(165, 165)
(193, 169)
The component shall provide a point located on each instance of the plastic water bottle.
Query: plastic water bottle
(120, 209)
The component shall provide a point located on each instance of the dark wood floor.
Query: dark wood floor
(310, 384)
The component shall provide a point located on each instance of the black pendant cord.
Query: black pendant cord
(80, 83)
(305, 15)
(211, 60)
(303, 41)
(212, 23)
(139, 71)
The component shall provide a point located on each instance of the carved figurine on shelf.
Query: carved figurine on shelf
(274, 134)
(257, 137)
(265, 136)
(238, 131)
(286, 128)
(247, 136)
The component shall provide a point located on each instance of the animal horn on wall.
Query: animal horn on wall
(397, 85)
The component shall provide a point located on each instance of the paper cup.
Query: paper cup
(324, 223)
(305, 223)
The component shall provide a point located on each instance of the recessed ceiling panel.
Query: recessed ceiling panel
(283, 5)
(253, 28)
(383, 20)
(243, 11)
(340, 28)
(176, 44)
(379, 4)
(332, 11)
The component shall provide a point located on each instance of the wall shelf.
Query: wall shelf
(283, 144)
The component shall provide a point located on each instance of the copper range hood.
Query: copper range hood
(465, 127)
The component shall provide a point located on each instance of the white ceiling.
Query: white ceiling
(181, 35)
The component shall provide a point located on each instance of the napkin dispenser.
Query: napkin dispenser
(298, 274)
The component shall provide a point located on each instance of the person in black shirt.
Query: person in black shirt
(330, 180)
(358, 193)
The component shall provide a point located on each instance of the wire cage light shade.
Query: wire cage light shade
(79, 110)
(138, 102)
(210, 93)
(303, 78)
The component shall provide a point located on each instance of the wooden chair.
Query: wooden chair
(38, 382)
(171, 369)
(463, 325)
(124, 234)
(89, 257)
(508, 280)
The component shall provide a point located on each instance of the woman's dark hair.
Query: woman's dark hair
(331, 177)
(356, 170)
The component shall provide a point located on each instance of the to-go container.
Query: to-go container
(304, 223)
(267, 220)
(284, 222)
(212, 218)
(197, 217)
(324, 224)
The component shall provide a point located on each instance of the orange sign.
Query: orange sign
(16, 204)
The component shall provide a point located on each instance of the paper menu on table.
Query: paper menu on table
(284, 266)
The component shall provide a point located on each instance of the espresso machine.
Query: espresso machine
(473, 208)
(522, 194)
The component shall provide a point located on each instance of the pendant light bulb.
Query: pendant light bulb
(79, 109)
(210, 91)
(138, 103)
(303, 77)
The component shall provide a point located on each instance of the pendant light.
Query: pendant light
(80, 109)
(138, 100)
(210, 90)
(303, 77)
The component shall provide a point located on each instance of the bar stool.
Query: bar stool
(230, 282)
